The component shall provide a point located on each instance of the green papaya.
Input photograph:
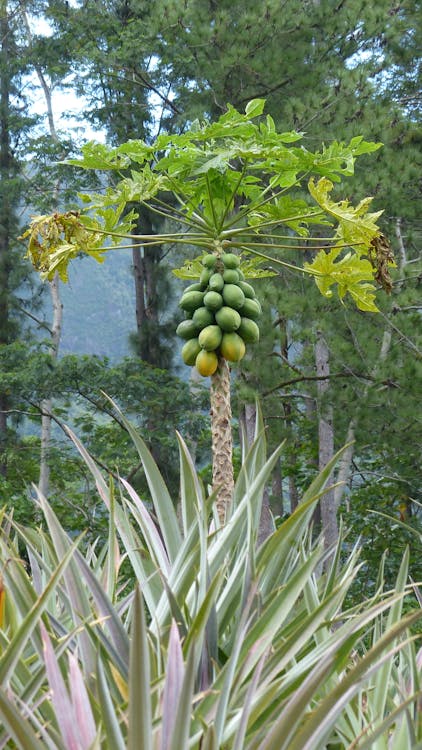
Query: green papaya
(230, 260)
(191, 301)
(209, 260)
(210, 338)
(251, 309)
(190, 351)
(230, 276)
(187, 330)
(216, 282)
(227, 318)
(248, 330)
(202, 317)
(247, 289)
(213, 301)
(233, 296)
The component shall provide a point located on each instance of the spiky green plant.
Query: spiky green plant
(210, 641)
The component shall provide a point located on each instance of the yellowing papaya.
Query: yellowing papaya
(210, 338)
(206, 363)
(232, 347)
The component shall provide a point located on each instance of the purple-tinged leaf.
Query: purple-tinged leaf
(63, 709)
(81, 704)
(172, 687)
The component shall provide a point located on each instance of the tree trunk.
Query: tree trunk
(56, 328)
(6, 210)
(46, 405)
(325, 441)
(222, 440)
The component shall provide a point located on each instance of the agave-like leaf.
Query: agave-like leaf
(140, 711)
(18, 725)
(73, 713)
(182, 724)
(11, 655)
(161, 499)
(175, 673)
(112, 729)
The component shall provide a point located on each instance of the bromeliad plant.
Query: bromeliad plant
(204, 641)
(239, 192)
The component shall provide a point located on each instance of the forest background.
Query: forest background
(325, 373)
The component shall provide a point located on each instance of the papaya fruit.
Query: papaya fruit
(251, 309)
(228, 319)
(247, 289)
(216, 282)
(213, 301)
(202, 317)
(248, 330)
(210, 338)
(205, 276)
(233, 296)
(191, 301)
(187, 330)
(206, 363)
(209, 261)
(230, 260)
(190, 351)
(193, 288)
(230, 276)
(232, 347)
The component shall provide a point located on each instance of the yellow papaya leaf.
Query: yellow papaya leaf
(356, 226)
(351, 274)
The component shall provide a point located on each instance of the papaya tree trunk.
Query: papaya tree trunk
(222, 439)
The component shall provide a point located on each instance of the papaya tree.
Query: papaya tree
(239, 194)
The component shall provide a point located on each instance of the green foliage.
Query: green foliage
(210, 639)
(220, 174)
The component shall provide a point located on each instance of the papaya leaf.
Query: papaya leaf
(352, 274)
(356, 226)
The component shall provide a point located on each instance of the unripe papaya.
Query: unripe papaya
(213, 301)
(193, 288)
(216, 282)
(205, 276)
(251, 309)
(232, 347)
(248, 330)
(247, 289)
(228, 319)
(190, 351)
(206, 363)
(230, 276)
(233, 296)
(191, 301)
(230, 260)
(210, 338)
(209, 260)
(187, 330)
(202, 317)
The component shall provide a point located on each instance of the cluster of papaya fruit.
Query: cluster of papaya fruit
(221, 312)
